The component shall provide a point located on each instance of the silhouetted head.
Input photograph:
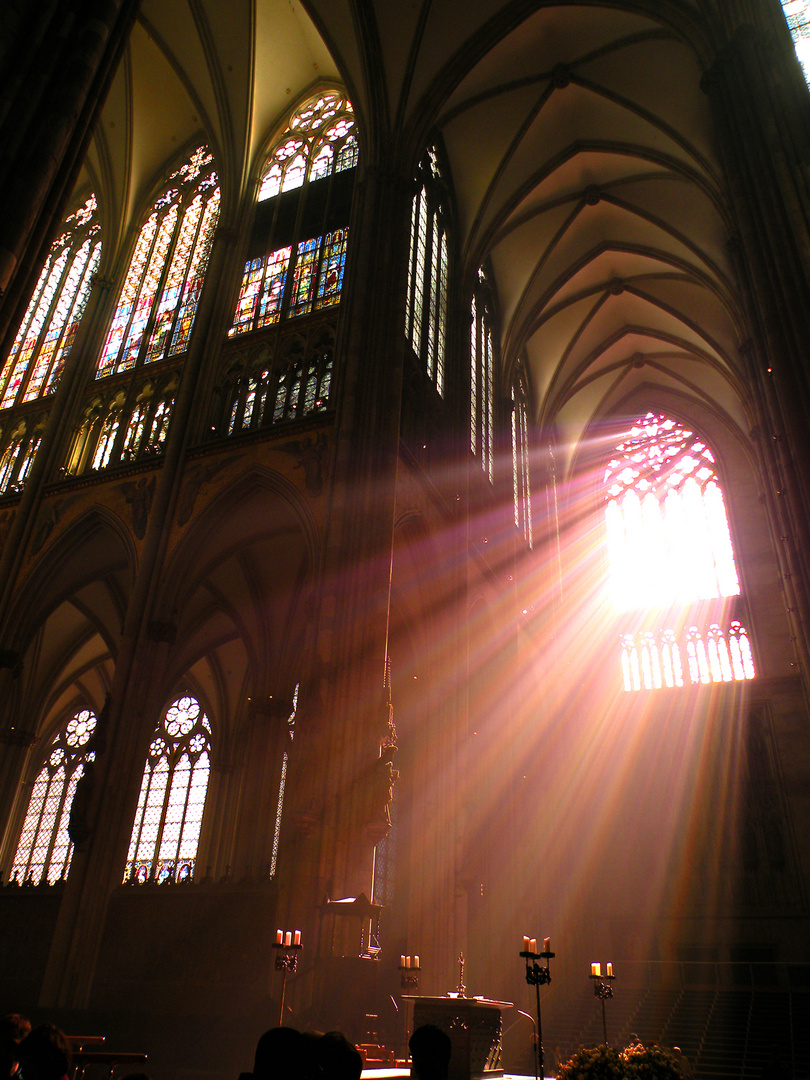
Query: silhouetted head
(45, 1054)
(430, 1052)
(280, 1055)
(339, 1059)
(14, 1026)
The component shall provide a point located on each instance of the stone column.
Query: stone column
(337, 782)
(762, 122)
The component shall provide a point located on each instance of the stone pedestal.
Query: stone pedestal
(475, 1027)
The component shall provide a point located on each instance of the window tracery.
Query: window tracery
(297, 249)
(166, 830)
(40, 350)
(290, 382)
(44, 849)
(426, 298)
(482, 375)
(18, 455)
(155, 312)
(669, 546)
(797, 14)
(521, 479)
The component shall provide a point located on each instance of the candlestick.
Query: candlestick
(537, 976)
(603, 990)
(286, 961)
(409, 972)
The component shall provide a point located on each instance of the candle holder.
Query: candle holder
(602, 989)
(537, 976)
(289, 946)
(409, 971)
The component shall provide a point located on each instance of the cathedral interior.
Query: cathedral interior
(404, 520)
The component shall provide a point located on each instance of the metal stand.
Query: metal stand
(603, 990)
(286, 963)
(538, 976)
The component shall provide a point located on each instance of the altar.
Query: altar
(475, 1027)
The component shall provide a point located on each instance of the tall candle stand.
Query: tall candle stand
(603, 989)
(289, 945)
(409, 972)
(537, 976)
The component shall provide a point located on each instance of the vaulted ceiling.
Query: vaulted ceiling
(579, 143)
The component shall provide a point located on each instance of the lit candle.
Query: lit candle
(533, 945)
(598, 971)
(402, 961)
(593, 969)
(297, 938)
(610, 971)
(547, 944)
(407, 961)
(288, 938)
(525, 943)
(279, 937)
(416, 961)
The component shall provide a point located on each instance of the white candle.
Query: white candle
(533, 945)
(610, 971)
(297, 938)
(547, 944)
(598, 971)
(402, 961)
(416, 961)
(407, 961)
(525, 943)
(279, 937)
(593, 969)
(288, 938)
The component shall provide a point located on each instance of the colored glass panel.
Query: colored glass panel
(304, 273)
(330, 281)
(195, 276)
(272, 288)
(45, 336)
(128, 296)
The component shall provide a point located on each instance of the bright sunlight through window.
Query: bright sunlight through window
(669, 547)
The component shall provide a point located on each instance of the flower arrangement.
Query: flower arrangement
(635, 1062)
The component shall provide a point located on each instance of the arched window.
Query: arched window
(166, 831)
(155, 311)
(283, 783)
(426, 299)
(797, 13)
(44, 849)
(17, 455)
(37, 357)
(670, 547)
(520, 456)
(297, 248)
(482, 375)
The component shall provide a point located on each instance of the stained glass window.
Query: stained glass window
(797, 13)
(156, 308)
(283, 783)
(44, 849)
(297, 250)
(166, 831)
(520, 457)
(426, 300)
(17, 459)
(44, 340)
(669, 546)
(482, 375)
